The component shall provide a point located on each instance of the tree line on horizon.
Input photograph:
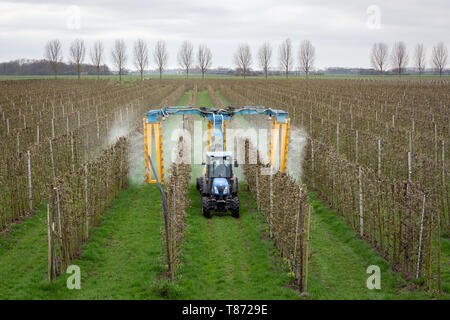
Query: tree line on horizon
(398, 59)
(40, 67)
(188, 59)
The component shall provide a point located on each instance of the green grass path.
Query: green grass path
(340, 260)
(203, 99)
(184, 101)
(120, 260)
(228, 258)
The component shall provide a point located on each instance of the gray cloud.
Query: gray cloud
(338, 30)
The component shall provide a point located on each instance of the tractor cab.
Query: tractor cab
(219, 186)
(219, 165)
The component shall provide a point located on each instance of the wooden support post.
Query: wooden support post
(308, 239)
(86, 199)
(98, 130)
(30, 194)
(337, 138)
(72, 152)
(409, 167)
(58, 211)
(51, 263)
(271, 201)
(257, 189)
(51, 159)
(419, 255)
(361, 212)
(379, 158)
(435, 142)
(18, 143)
(298, 242)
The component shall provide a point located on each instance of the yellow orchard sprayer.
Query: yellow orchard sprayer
(218, 185)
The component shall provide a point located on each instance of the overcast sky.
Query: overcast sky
(341, 31)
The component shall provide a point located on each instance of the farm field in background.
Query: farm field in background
(371, 155)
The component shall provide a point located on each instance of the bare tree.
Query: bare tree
(419, 58)
(141, 56)
(53, 54)
(439, 57)
(119, 56)
(77, 54)
(399, 56)
(160, 56)
(204, 58)
(185, 56)
(379, 56)
(306, 56)
(285, 55)
(265, 57)
(97, 56)
(243, 58)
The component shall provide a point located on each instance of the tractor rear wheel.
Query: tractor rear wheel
(235, 208)
(205, 208)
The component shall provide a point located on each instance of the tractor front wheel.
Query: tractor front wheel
(205, 208)
(235, 208)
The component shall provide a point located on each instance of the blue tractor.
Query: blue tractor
(218, 185)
